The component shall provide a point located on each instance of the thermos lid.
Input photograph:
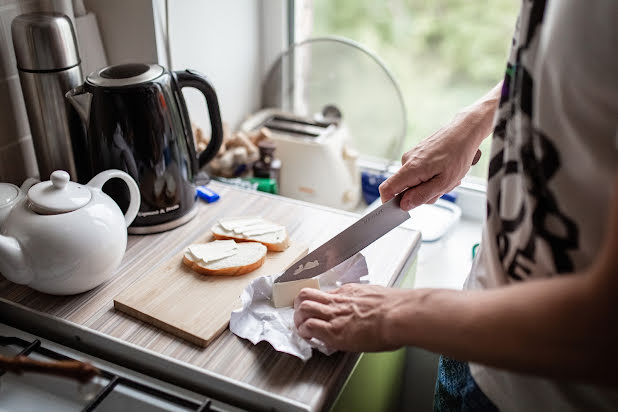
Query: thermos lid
(44, 42)
(127, 74)
(58, 195)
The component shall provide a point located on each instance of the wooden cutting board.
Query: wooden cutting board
(192, 306)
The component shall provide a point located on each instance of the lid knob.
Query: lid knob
(59, 179)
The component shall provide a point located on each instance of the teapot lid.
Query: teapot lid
(58, 195)
(8, 193)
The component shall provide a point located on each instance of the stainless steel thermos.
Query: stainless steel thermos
(49, 65)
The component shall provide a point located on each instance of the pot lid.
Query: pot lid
(8, 193)
(333, 77)
(58, 195)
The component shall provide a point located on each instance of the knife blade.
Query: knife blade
(350, 241)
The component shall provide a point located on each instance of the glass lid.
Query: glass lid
(333, 77)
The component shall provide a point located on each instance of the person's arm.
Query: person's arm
(437, 164)
(563, 327)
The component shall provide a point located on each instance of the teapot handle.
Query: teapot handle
(99, 180)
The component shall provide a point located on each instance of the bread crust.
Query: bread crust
(273, 247)
(229, 271)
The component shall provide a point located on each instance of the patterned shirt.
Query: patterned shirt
(553, 165)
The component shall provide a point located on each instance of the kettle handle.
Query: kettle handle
(191, 78)
(99, 180)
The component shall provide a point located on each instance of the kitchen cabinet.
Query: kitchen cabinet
(250, 376)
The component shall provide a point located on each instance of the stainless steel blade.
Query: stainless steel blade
(352, 240)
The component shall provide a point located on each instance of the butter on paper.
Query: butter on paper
(258, 320)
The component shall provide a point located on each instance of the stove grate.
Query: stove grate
(113, 379)
(25, 351)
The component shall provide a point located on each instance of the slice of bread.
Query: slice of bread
(248, 257)
(275, 241)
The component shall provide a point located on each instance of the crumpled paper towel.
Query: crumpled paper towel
(258, 320)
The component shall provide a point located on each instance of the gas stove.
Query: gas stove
(115, 389)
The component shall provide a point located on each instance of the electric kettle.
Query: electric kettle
(137, 122)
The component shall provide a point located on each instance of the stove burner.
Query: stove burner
(113, 380)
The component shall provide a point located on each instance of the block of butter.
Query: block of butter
(284, 293)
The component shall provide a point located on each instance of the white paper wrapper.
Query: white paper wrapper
(258, 320)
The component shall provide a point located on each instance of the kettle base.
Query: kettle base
(162, 227)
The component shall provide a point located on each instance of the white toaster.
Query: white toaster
(316, 164)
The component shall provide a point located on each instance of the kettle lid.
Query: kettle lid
(8, 193)
(127, 74)
(58, 195)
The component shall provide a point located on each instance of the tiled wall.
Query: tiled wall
(17, 158)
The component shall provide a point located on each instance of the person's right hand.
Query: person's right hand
(433, 167)
(437, 164)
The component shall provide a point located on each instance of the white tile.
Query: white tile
(13, 115)
(8, 3)
(8, 66)
(58, 6)
(17, 162)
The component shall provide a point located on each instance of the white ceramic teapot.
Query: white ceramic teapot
(63, 238)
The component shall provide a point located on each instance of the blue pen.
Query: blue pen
(207, 194)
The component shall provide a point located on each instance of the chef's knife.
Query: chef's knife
(346, 244)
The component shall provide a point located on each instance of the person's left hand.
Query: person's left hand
(352, 318)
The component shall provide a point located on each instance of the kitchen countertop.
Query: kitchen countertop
(256, 375)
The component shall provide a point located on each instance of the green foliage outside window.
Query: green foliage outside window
(444, 53)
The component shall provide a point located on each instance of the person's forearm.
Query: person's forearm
(561, 327)
(564, 327)
(481, 114)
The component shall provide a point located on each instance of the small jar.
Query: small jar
(267, 166)
(262, 168)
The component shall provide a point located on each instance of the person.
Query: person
(536, 327)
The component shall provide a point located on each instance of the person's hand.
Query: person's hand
(437, 164)
(352, 318)
(433, 167)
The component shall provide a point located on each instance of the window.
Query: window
(444, 53)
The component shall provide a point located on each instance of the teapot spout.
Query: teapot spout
(81, 104)
(13, 264)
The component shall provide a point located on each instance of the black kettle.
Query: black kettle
(137, 121)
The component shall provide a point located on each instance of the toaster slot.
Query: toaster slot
(296, 127)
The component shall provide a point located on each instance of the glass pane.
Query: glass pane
(315, 75)
(445, 54)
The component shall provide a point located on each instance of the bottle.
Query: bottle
(267, 166)
(49, 65)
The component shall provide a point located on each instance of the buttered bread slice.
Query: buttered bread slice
(225, 257)
(252, 229)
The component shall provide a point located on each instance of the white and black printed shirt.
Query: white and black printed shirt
(551, 176)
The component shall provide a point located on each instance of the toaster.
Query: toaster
(317, 165)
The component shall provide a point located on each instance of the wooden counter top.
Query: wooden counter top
(313, 385)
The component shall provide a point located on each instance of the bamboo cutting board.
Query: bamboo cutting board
(192, 306)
